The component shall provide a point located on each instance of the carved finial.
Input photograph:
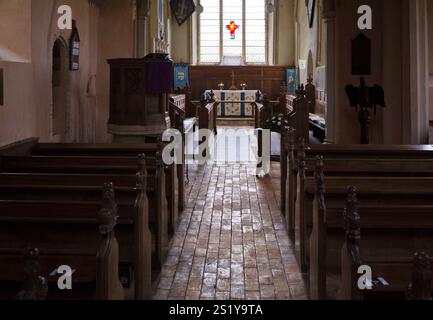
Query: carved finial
(290, 139)
(320, 182)
(159, 160)
(141, 176)
(108, 213)
(259, 96)
(301, 157)
(35, 287)
(421, 286)
(212, 96)
(301, 91)
(284, 137)
(351, 216)
(283, 89)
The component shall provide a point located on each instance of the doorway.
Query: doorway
(60, 128)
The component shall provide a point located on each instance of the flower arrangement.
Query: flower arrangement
(275, 123)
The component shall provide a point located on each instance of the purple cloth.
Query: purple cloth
(159, 77)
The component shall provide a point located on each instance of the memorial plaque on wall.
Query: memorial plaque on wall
(361, 55)
(74, 47)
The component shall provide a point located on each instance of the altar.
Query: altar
(234, 103)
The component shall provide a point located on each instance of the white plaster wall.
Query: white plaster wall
(285, 44)
(311, 40)
(104, 33)
(17, 115)
(15, 30)
(115, 40)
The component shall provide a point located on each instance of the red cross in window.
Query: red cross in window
(232, 27)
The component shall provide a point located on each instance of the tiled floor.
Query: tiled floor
(231, 242)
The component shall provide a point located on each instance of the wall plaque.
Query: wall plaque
(74, 48)
(361, 55)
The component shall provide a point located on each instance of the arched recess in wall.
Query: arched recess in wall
(60, 91)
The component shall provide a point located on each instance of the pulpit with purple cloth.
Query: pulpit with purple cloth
(139, 93)
(159, 74)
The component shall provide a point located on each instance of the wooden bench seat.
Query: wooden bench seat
(23, 187)
(99, 164)
(176, 186)
(289, 167)
(398, 220)
(392, 177)
(362, 161)
(140, 263)
(396, 274)
(94, 260)
(108, 166)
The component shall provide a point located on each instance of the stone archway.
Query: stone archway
(60, 118)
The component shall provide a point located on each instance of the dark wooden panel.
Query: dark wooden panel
(268, 79)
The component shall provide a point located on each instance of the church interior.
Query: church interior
(216, 150)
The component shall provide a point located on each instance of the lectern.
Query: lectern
(139, 93)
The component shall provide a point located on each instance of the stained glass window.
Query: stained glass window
(232, 11)
(249, 39)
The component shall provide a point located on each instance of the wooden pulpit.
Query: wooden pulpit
(139, 93)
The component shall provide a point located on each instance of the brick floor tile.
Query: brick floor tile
(231, 241)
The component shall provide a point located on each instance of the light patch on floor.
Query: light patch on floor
(231, 242)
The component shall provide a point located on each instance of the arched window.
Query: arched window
(246, 40)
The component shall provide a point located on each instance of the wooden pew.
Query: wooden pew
(96, 273)
(341, 168)
(401, 206)
(331, 151)
(294, 177)
(298, 115)
(391, 273)
(208, 111)
(263, 110)
(184, 125)
(421, 286)
(173, 174)
(19, 147)
(317, 111)
(80, 187)
(91, 165)
(34, 286)
(190, 107)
